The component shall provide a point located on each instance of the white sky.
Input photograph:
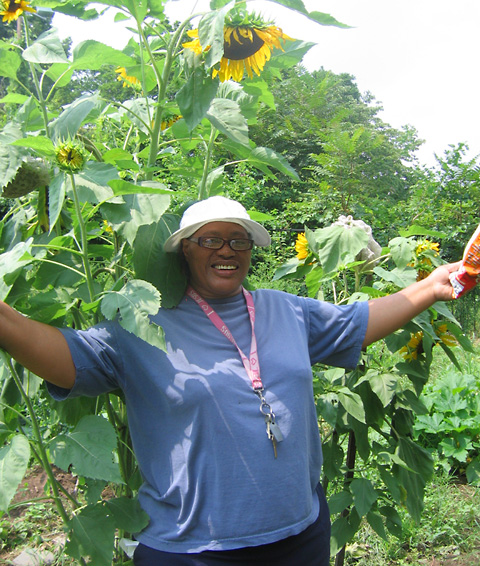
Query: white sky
(419, 58)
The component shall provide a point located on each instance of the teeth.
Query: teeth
(227, 267)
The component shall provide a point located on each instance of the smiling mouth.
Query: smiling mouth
(225, 267)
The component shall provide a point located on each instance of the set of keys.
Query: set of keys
(273, 430)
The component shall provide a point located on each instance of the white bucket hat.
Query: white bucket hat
(216, 209)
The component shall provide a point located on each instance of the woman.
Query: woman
(223, 424)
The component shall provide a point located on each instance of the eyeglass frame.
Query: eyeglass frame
(198, 240)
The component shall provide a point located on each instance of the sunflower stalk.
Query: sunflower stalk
(38, 88)
(162, 89)
(39, 440)
(202, 191)
(84, 240)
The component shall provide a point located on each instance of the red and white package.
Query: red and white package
(469, 273)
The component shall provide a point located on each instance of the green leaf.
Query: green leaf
(340, 501)
(121, 187)
(11, 264)
(56, 198)
(226, 116)
(473, 471)
(210, 33)
(383, 385)
(318, 17)
(42, 145)
(11, 157)
(287, 268)
(135, 302)
(292, 54)
(418, 459)
(68, 123)
(93, 55)
(413, 402)
(14, 460)
(14, 97)
(136, 210)
(400, 277)
(61, 72)
(89, 449)
(214, 181)
(92, 534)
(364, 495)
(393, 521)
(416, 230)
(10, 62)
(352, 403)
(333, 244)
(195, 97)
(127, 514)
(93, 182)
(138, 112)
(401, 250)
(376, 522)
(343, 530)
(47, 49)
(271, 158)
(152, 263)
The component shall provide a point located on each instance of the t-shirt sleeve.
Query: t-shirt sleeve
(97, 362)
(336, 332)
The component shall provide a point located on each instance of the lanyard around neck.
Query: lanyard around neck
(251, 364)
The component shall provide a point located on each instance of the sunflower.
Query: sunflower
(12, 9)
(128, 80)
(444, 335)
(413, 348)
(301, 246)
(168, 122)
(425, 254)
(248, 43)
(71, 156)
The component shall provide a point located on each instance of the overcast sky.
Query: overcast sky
(419, 58)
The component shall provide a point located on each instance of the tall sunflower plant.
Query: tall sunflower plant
(373, 467)
(89, 186)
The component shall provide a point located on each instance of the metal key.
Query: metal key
(272, 432)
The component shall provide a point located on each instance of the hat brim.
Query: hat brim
(257, 232)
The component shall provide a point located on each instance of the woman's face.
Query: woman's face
(217, 274)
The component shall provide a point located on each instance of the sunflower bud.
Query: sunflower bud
(32, 174)
(71, 156)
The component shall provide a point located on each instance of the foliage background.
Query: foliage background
(298, 149)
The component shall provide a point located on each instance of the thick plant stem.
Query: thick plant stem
(84, 241)
(40, 446)
(38, 88)
(350, 463)
(202, 191)
(162, 89)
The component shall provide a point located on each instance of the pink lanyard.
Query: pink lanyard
(251, 364)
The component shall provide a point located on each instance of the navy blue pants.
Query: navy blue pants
(309, 548)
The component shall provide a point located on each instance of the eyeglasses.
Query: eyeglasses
(214, 243)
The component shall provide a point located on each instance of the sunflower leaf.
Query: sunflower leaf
(210, 33)
(318, 17)
(47, 49)
(227, 117)
(195, 97)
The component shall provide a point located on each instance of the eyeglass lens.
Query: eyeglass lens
(237, 244)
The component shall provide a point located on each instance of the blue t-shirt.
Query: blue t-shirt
(211, 481)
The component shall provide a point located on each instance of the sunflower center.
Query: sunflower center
(13, 6)
(243, 47)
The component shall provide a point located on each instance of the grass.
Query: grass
(449, 528)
